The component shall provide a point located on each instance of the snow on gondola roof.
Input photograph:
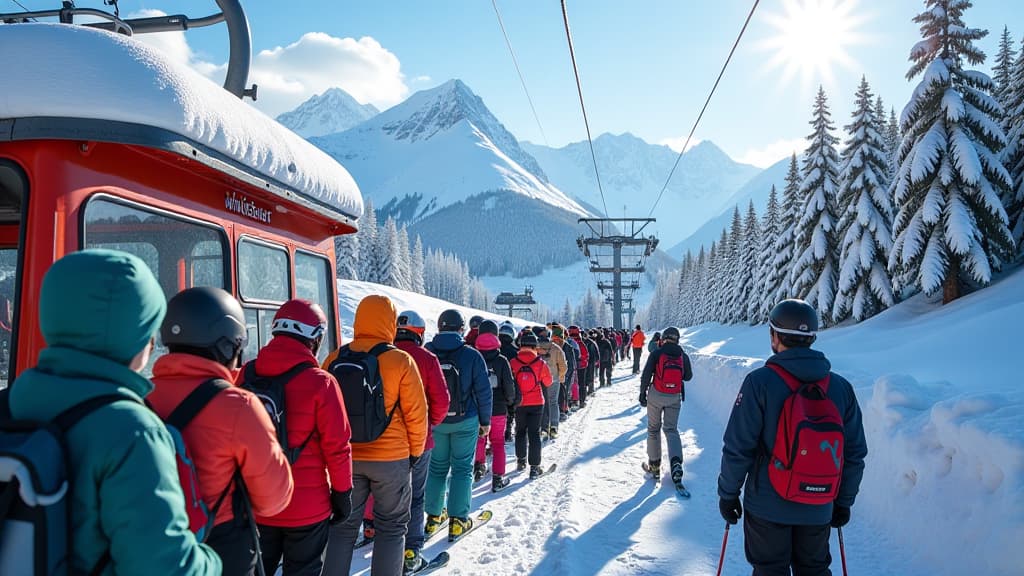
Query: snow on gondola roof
(75, 72)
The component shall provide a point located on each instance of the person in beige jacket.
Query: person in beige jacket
(555, 359)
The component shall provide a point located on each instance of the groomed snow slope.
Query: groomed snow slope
(941, 496)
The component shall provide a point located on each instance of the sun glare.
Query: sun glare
(811, 38)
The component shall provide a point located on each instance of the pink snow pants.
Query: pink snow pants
(497, 438)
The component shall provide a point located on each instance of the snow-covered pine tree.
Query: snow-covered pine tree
(682, 289)
(346, 256)
(1013, 154)
(565, 316)
(865, 222)
(404, 259)
(709, 305)
(416, 267)
(814, 266)
(698, 294)
(766, 278)
(893, 137)
(746, 270)
(950, 227)
(722, 272)
(733, 309)
(1002, 74)
(369, 261)
(387, 243)
(778, 285)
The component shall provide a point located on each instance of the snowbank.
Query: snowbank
(944, 417)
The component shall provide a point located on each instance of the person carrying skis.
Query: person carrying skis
(380, 464)
(555, 359)
(317, 426)
(469, 416)
(98, 313)
(507, 336)
(532, 377)
(792, 505)
(504, 391)
(204, 332)
(662, 392)
(605, 348)
(637, 341)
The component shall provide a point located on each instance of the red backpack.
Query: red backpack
(528, 382)
(668, 376)
(584, 358)
(806, 463)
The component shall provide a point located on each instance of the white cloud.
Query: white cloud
(769, 154)
(421, 79)
(289, 75)
(677, 143)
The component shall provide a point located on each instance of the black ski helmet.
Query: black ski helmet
(474, 322)
(795, 321)
(488, 327)
(450, 321)
(207, 319)
(670, 333)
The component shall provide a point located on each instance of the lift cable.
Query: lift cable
(706, 102)
(519, 71)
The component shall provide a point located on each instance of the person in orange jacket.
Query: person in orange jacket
(637, 341)
(385, 463)
(228, 430)
(318, 427)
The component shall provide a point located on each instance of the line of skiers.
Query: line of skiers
(221, 466)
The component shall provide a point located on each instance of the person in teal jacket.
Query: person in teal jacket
(98, 311)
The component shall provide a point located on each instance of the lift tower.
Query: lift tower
(625, 240)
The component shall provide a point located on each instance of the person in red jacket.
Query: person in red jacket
(533, 378)
(323, 470)
(205, 332)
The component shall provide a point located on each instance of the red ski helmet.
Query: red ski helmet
(300, 318)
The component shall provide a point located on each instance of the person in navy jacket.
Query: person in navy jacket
(781, 534)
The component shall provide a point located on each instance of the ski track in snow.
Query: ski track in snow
(599, 514)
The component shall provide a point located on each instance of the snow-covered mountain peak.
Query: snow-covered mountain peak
(333, 111)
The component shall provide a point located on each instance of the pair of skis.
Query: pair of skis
(680, 488)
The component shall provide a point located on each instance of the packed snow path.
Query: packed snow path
(598, 514)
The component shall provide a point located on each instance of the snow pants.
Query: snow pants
(551, 406)
(663, 415)
(591, 373)
(773, 548)
(417, 519)
(233, 542)
(636, 360)
(497, 438)
(392, 495)
(606, 373)
(528, 430)
(300, 550)
(454, 448)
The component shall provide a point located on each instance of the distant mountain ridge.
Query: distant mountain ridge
(333, 111)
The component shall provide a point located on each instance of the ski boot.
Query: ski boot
(434, 523)
(499, 483)
(368, 530)
(677, 470)
(563, 416)
(458, 526)
(552, 432)
(413, 562)
(536, 472)
(654, 469)
(479, 469)
(520, 464)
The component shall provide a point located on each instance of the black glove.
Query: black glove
(341, 506)
(731, 509)
(412, 461)
(643, 400)
(840, 515)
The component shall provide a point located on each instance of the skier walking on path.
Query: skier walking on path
(469, 416)
(98, 313)
(662, 392)
(604, 346)
(555, 359)
(380, 463)
(507, 336)
(231, 433)
(791, 505)
(532, 377)
(504, 391)
(317, 428)
(571, 350)
(637, 342)
(592, 367)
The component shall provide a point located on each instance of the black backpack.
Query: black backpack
(450, 369)
(270, 392)
(358, 375)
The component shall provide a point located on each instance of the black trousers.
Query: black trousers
(591, 374)
(581, 385)
(636, 360)
(528, 429)
(773, 548)
(606, 373)
(233, 542)
(303, 549)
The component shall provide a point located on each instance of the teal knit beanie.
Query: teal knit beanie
(104, 302)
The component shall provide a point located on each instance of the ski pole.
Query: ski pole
(725, 540)
(842, 550)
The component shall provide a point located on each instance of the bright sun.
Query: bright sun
(811, 39)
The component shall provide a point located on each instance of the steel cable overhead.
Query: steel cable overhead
(522, 80)
(705, 107)
(583, 107)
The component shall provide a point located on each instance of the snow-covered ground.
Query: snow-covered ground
(942, 494)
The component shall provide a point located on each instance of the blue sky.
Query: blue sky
(646, 66)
